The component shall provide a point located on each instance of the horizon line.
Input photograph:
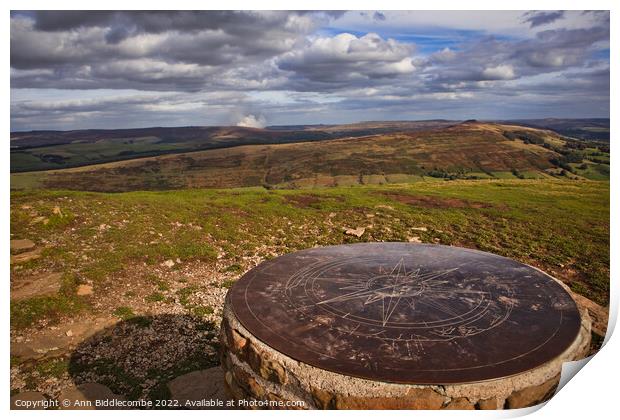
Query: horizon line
(267, 127)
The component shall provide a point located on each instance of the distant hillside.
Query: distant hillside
(376, 127)
(469, 150)
(42, 150)
(594, 129)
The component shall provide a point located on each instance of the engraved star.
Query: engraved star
(393, 287)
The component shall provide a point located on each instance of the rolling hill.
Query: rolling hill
(589, 129)
(467, 150)
(42, 150)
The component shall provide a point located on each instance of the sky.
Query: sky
(107, 69)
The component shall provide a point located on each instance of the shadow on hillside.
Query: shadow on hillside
(137, 357)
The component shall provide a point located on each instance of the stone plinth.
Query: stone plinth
(329, 328)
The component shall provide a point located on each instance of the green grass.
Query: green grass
(233, 268)
(560, 226)
(591, 170)
(124, 313)
(201, 311)
(228, 284)
(155, 297)
(26, 312)
(185, 293)
(75, 154)
(52, 368)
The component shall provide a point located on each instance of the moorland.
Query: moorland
(124, 243)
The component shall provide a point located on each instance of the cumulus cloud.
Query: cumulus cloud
(178, 43)
(252, 121)
(345, 59)
(562, 47)
(444, 55)
(297, 67)
(501, 72)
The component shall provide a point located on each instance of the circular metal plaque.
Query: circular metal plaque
(407, 313)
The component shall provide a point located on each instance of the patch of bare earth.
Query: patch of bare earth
(303, 200)
(436, 202)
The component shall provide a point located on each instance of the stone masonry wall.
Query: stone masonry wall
(257, 372)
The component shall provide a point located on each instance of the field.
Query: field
(139, 265)
(41, 150)
(595, 129)
(127, 243)
(470, 150)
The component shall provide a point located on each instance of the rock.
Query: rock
(26, 256)
(53, 342)
(56, 210)
(533, 395)
(84, 397)
(42, 285)
(69, 333)
(424, 398)
(323, 399)
(488, 404)
(21, 245)
(236, 341)
(599, 314)
(421, 229)
(416, 399)
(414, 239)
(168, 263)
(384, 206)
(199, 385)
(248, 383)
(84, 290)
(232, 388)
(28, 400)
(459, 404)
(267, 368)
(355, 232)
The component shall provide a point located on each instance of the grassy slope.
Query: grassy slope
(559, 226)
(477, 149)
(45, 150)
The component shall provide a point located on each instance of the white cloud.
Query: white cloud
(252, 121)
(501, 72)
(444, 55)
(345, 58)
(220, 67)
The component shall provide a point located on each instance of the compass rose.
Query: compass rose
(392, 288)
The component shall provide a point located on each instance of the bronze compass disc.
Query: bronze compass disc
(407, 313)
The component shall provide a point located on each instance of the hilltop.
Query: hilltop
(42, 150)
(469, 150)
